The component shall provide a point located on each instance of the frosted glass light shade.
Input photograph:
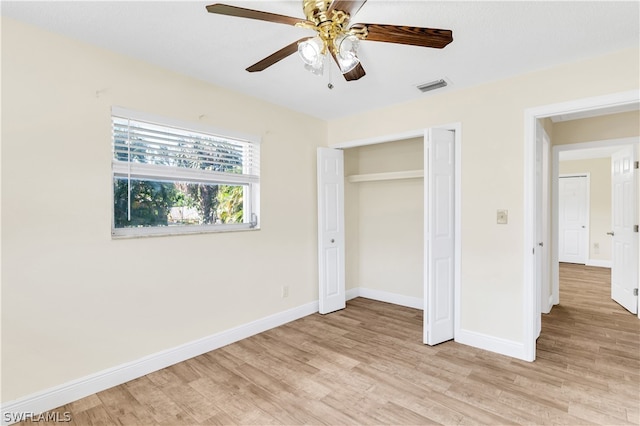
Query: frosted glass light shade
(347, 49)
(311, 51)
(315, 69)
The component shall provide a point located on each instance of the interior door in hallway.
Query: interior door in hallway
(624, 271)
(573, 219)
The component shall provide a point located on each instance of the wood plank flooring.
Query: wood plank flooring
(366, 365)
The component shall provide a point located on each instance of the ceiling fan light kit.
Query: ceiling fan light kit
(311, 51)
(347, 47)
(330, 19)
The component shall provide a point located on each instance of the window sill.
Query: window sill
(171, 231)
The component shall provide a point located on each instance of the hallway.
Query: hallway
(597, 342)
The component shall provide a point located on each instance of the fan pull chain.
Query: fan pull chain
(330, 85)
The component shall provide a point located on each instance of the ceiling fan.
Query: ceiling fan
(336, 35)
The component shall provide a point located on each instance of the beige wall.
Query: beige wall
(599, 170)
(613, 126)
(76, 302)
(384, 219)
(605, 127)
(492, 119)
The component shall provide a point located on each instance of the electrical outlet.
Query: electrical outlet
(503, 217)
(285, 291)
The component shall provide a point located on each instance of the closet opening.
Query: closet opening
(389, 225)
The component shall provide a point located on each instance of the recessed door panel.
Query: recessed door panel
(624, 270)
(573, 219)
(331, 273)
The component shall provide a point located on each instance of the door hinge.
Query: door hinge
(636, 164)
(635, 228)
(635, 291)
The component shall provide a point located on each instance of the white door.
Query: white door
(541, 250)
(439, 273)
(624, 271)
(573, 219)
(331, 230)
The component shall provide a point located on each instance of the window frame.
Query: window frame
(132, 170)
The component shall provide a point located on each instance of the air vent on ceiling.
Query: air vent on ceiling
(432, 85)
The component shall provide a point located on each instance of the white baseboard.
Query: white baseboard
(491, 343)
(465, 337)
(598, 262)
(72, 391)
(385, 296)
(352, 293)
(547, 305)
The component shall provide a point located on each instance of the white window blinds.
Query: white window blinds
(148, 150)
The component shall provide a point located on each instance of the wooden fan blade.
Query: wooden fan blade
(240, 12)
(348, 6)
(355, 74)
(416, 36)
(277, 56)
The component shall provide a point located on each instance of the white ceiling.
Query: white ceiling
(492, 40)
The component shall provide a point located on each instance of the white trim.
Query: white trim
(531, 115)
(385, 296)
(555, 190)
(466, 337)
(352, 293)
(549, 305)
(543, 146)
(164, 231)
(72, 391)
(458, 231)
(154, 171)
(600, 263)
(491, 343)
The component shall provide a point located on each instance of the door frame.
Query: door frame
(543, 234)
(421, 133)
(556, 150)
(556, 212)
(531, 117)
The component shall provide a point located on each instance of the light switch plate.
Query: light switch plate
(503, 217)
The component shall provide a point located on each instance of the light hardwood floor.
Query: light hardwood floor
(366, 365)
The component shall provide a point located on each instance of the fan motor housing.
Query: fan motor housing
(316, 10)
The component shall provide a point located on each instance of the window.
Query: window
(175, 178)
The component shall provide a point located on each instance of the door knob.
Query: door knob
(333, 241)
(541, 244)
(610, 233)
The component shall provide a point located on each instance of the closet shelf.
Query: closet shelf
(370, 177)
